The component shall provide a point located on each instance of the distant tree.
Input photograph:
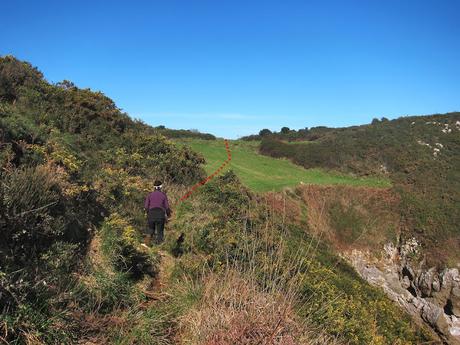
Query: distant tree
(384, 119)
(375, 121)
(303, 131)
(285, 130)
(161, 127)
(264, 132)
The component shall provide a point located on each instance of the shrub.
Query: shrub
(102, 291)
(227, 193)
(119, 245)
(32, 216)
(15, 74)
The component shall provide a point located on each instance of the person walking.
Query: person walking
(158, 211)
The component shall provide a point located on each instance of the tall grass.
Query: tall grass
(253, 297)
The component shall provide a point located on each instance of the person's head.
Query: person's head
(157, 185)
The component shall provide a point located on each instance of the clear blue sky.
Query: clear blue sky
(234, 67)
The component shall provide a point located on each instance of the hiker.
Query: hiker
(158, 211)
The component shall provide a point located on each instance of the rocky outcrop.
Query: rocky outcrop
(430, 295)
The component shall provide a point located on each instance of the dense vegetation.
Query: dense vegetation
(235, 268)
(419, 155)
(183, 133)
(69, 158)
(292, 135)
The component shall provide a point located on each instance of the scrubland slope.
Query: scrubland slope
(74, 172)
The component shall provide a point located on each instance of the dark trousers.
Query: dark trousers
(156, 230)
(156, 225)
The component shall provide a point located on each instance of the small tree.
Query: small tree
(264, 132)
(285, 130)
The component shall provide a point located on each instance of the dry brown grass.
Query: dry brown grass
(234, 310)
(377, 207)
(253, 300)
(281, 204)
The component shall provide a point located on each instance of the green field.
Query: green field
(262, 173)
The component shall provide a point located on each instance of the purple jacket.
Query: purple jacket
(157, 199)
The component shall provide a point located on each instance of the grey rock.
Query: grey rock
(455, 327)
(405, 282)
(455, 300)
(450, 277)
(436, 284)
(434, 315)
(423, 293)
(425, 282)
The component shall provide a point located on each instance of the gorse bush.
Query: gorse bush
(39, 227)
(34, 222)
(86, 124)
(229, 194)
(15, 75)
(119, 243)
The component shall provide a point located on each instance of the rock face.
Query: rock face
(429, 295)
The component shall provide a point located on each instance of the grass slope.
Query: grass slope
(262, 173)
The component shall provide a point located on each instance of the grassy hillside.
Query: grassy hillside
(262, 173)
(418, 154)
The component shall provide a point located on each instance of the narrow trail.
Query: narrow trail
(156, 290)
(165, 270)
(157, 286)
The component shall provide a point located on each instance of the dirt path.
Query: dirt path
(157, 288)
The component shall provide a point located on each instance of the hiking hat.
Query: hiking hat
(157, 184)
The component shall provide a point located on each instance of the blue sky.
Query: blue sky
(234, 67)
